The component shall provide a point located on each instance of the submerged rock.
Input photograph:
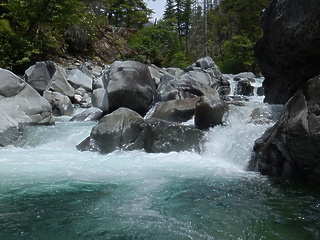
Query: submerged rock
(291, 148)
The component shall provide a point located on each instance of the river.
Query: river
(49, 190)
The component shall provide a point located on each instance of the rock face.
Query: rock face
(291, 148)
(20, 104)
(61, 105)
(289, 51)
(130, 85)
(125, 129)
(90, 114)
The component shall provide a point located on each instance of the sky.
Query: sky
(157, 6)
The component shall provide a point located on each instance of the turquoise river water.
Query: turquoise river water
(49, 190)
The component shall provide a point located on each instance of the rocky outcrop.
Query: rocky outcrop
(289, 51)
(20, 104)
(130, 85)
(124, 129)
(291, 148)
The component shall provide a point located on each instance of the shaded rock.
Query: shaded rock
(209, 112)
(61, 105)
(245, 88)
(163, 136)
(291, 148)
(39, 76)
(10, 130)
(131, 86)
(155, 74)
(289, 51)
(90, 114)
(260, 91)
(78, 79)
(180, 110)
(122, 129)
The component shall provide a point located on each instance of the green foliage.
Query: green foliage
(238, 56)
(156, 44)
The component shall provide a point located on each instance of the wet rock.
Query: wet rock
(90, 114)
(289, 51)
(78, 79)
(261, 115)
(209, 112)
(180, 110)
(291, 148)
(245, 88)
(131, 86)
(245, 76)
(163, 137)
(61, 105)
(122, 129)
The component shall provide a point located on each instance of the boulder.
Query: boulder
(100, 99)
(209, 112)
(131, 86)
(78, 79)
(184, 88)
(39, 76)
(20, 104)
(289, 51)
(60, 84)
(163, 137)
(245, 76)
(261, 115)
(180, 110)
(291, 148)
(122, 129)
(61, 105)
(245, 88)
(90, 114)
(126, 130)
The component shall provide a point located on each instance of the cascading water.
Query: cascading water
(49, 190)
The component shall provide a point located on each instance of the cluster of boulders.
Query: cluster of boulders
(289, 57)
(137, 106)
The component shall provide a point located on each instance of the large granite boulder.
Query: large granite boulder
(180, 110)
(47, 75)
(39, 76)
(78, 79)
(130, 85)
(20, 104)
(122, 129)
(184, 88)
(289, 51)
(291, 148)
(163, 137)
(61, 105)
(209, 112)
(126, 130)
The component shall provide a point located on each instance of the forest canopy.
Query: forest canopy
(226, 30)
